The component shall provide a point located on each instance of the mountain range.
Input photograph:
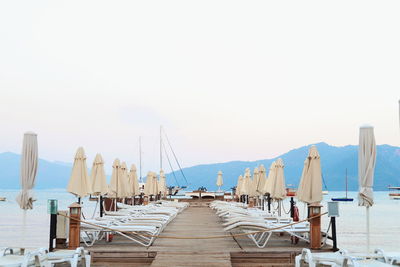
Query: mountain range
(334, 162)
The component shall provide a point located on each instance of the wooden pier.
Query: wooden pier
(196, 220)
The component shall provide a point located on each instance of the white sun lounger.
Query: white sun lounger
(32, 258)
(334, 259)
(390, 257)
(141, 234)
(338, 259)
(261, 239)
(73, 257)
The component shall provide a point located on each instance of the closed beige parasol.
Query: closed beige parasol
(98, 177)
(262, 180)
(162, 186)
(220, 181)
(133, 180)
(79, 183)
(239, 184)
(255, 183)
(149, 186)
(126, 189)
(114, 190)
(310, 187)
(268, 182)
(366, 169)
(278, 186)
(246, 184)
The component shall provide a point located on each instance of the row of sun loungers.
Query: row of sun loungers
(10, 257)
(140, 224)
(257, 224)
(344, 258)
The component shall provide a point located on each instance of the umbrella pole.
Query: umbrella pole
(101, 205)
(368, 229)
(279, 208)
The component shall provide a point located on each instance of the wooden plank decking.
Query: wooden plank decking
(196, 221)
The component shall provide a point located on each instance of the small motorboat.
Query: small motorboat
(3, 199)
(394, 195)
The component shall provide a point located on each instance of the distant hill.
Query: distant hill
(334, 161)
(50, 174)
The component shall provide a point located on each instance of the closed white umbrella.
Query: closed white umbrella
(29, 166)
(310, 187)
(114, 190)
(79, 183)
(366, 169)
(220, 181)
(133, 180)
(278, 189)
(98, 177)
(163, 183)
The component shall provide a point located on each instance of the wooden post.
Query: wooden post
(74, 226)
(315, 226)
(145, 200)
(251, 202)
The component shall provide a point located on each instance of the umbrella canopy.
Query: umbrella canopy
(220, 181)
(255, 183)
(162, 186)
(366, 165)
(98, 177)
(261, 180)
(150, 185)
(278, 189)
(29, 165)
(246, 184)
(268, 182)
(239, 186)
(126, 189)
(133, 181)
(310, 187)
(114, 189)
(79, 183)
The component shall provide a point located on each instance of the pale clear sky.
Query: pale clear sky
(229, 80)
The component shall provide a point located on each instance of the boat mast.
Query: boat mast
(161, 148)
(140, 158)
(346, 182)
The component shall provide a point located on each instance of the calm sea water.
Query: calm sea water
(351, 225)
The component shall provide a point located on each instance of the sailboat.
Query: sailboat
(343, 198)
(173, 190)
